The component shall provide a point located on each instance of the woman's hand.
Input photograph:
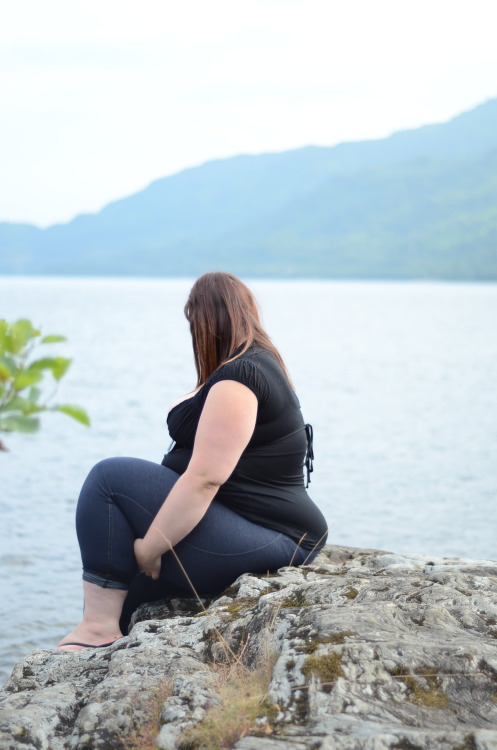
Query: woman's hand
(147, 563)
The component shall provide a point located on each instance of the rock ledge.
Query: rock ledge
(373, 651)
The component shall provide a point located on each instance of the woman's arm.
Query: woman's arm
(224, 429)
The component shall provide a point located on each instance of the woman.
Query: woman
(229, 498)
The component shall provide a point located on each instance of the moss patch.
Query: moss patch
(231, 591)
(351, 593)
(327, 667)
(242, 605)
(423, 686)
(336, 639)
(399, 671)
(297, 599)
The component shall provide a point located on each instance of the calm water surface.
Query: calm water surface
(398, 379)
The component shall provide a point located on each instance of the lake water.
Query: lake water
(398, 379)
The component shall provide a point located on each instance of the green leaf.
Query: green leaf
(45, 363)
(27, 378)
(58, 365)
(23, 405)
(52, 338)
(34, 394)
(9, 362)
(76, 412)
(3, 332)
(19, 334)
(5, 373)
(19, 423)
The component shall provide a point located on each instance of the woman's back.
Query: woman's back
(267, 484)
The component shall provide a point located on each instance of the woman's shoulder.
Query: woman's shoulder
(255, 359)
(247, 368)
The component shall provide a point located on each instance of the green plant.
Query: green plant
(21, 398)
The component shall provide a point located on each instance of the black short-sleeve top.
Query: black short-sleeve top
(267, 485)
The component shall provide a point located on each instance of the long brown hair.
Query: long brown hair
(223, 316)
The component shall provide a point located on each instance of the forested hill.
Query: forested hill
(420, 204)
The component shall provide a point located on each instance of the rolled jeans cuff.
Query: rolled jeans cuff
(104, 583)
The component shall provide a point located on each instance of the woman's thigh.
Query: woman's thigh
(119, 500)
(223, 546)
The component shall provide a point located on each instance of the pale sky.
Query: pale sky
(98, 98)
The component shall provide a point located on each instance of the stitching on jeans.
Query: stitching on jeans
(233, 554)
(115, 495)
(109, 541)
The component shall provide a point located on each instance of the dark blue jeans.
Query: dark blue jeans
(117, 504)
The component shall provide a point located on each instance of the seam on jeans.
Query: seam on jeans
(109, 541)
(233, 554)
(114, 495)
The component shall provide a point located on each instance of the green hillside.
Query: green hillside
(420, 204)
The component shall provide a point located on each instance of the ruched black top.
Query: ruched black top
(267, 484)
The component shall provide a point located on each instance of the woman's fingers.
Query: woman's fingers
(146, 564)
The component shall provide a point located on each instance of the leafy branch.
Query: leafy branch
(21, 398)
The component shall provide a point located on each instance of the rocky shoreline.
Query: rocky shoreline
(367, 650)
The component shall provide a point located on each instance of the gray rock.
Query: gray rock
(373, 651)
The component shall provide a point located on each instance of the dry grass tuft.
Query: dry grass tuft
(243, 707)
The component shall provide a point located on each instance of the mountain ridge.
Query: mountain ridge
(384, 208)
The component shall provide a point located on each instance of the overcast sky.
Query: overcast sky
(100, 97)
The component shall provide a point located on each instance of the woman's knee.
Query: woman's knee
(106, 471)
(107, 465)
(98, 483)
